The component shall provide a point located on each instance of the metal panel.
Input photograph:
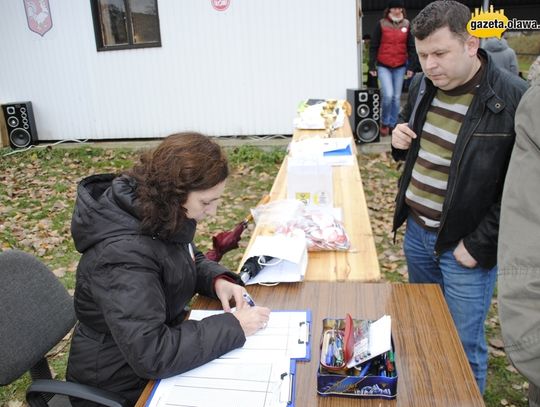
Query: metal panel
(236, 72)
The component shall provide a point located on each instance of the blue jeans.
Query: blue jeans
(467, 292)
(391, 80)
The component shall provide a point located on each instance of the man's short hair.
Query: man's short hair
(439, 14)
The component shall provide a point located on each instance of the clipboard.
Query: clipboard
(292, 384)
(290, 326)
(249, 384)
(305, 334)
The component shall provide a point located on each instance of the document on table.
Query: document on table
(332, 151)
(286, 335)
(260, 374)
(229, 382)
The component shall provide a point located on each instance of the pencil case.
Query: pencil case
(373, 377)
(337, 343)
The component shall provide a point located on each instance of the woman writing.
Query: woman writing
(139, 269)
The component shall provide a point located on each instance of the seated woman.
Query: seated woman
(139, 270)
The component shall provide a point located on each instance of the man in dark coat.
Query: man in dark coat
(456, 138)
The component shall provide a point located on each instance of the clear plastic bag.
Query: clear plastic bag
(320, 227)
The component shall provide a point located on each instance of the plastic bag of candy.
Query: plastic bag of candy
(291, 218)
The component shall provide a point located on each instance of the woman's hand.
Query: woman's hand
(252, 318)
(226, 290)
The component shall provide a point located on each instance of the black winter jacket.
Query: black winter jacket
(479, 162)
(131, 293)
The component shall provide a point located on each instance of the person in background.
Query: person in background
(519, 257)
(140, 269)
(390, 49)
(503, 56)
(456, 138)
(371, 81)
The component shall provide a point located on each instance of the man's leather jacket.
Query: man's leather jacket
(479, 162)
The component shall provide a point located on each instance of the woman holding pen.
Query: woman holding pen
(139, 270)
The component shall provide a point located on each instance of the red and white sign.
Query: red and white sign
(221, 5)
(38, 15)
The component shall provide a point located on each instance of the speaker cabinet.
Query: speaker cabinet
(21, 126)
(366, 113)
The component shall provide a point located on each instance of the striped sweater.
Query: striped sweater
(427, 190)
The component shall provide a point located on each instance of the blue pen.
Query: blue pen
(365, 368)
(330, 353)
(249, 300)
(338, 350)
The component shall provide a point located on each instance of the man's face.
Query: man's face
(446, 60)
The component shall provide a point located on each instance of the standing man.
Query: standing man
(519, 257)
(456, 146)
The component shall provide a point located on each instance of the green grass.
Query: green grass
(37, 191)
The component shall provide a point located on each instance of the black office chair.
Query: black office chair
(36, 312)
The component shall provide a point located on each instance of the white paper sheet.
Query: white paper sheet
(380, 340)
(286, 335)
(330, 151)
(228, 382)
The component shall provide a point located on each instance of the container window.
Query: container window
(124, 24)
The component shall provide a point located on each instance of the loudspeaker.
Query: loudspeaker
(21, 126)
(366, 113)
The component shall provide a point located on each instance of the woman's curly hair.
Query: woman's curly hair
(182, 163)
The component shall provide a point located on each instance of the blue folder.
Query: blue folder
(340, 151)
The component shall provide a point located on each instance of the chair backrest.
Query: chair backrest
(36, 312)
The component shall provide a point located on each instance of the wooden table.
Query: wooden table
(361, 262)
(431, 364)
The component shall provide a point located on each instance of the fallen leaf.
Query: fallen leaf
(496, 343)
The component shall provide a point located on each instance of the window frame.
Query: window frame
(100, 46)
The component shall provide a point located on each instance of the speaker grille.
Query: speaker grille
(20, 124)
(20, 138)
(363, 111)
(367, 130)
